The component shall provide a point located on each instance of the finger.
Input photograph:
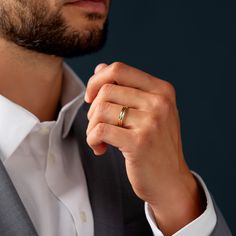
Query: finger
(100, 149)
(109, 113)
(106, 133)
(133, 98)
(99, 67)
(128, 76)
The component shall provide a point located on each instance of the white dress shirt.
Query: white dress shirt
(42, 161)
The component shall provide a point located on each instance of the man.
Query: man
(140, 186)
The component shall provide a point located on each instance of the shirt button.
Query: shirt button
(83, 216)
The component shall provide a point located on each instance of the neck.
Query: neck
(30, 79)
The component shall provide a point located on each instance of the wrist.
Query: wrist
(183, 203)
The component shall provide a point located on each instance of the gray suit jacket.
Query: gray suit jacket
(116, 209)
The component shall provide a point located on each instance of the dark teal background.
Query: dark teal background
(195, 49)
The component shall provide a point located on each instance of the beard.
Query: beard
(31, 25)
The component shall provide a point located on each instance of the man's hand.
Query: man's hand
(150, 140)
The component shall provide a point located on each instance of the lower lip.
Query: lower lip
(91, 6)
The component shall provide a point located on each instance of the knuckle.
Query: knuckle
(116, 67)
(155, 102)
(165, 103)
(91, 81)
(101, 108)
(100, 130)
(161, 103)
(169, 88)
(162, 109)
(105, 90)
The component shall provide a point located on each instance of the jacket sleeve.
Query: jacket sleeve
(221, 227)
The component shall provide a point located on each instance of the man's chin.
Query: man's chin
(83, 43)
(82, 22)
(52, 33)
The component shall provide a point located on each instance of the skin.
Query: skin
(150, 137)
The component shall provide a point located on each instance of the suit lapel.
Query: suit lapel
(13, 217)
(103, 181)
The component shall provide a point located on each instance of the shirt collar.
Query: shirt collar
(16, 122)
(72, 98)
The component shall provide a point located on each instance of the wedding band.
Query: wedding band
(122, 116)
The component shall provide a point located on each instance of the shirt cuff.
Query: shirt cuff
(203, 225)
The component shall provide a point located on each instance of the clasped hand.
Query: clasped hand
(149, 140)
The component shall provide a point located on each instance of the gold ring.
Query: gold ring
(122, 116)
